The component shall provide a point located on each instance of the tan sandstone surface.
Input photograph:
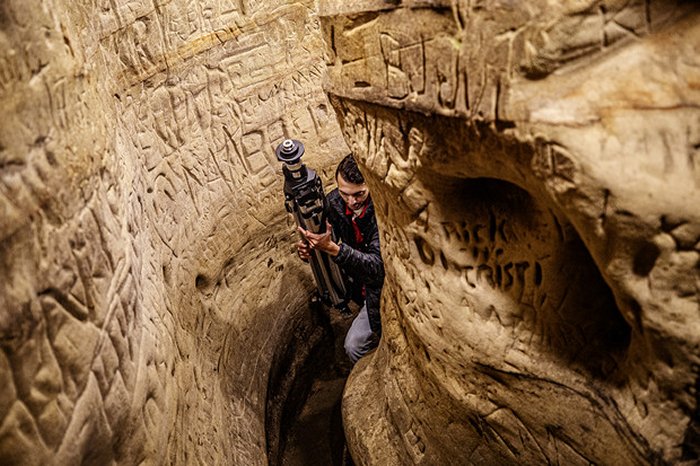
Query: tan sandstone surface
(148, 289)
(535, 166)
(537, 169)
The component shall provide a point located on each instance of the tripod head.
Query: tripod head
(290, 151)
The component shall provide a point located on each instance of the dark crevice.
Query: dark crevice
(691, 442)
(201, 282)
(645, 258)
(307, 377)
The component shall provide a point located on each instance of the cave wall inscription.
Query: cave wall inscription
(142, 229)
(534, 165)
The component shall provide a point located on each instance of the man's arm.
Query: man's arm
(367, 266)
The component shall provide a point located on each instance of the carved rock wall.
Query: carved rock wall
(147, 284)
(536, 171)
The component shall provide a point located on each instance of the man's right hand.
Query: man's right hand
(303, 250)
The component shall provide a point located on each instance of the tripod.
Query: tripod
(304, 198)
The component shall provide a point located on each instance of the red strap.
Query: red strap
(358, 234)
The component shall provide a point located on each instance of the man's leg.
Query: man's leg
(358, 341)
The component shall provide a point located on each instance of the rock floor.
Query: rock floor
(316, 436)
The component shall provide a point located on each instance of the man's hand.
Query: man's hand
(303, 250)
(319, 241)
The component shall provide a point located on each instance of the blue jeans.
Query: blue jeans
(358, 341)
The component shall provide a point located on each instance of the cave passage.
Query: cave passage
(304, 397)
(315, 436)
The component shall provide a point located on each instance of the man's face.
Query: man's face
(354, 195)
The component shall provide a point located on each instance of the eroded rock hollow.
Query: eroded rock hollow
(535, 169)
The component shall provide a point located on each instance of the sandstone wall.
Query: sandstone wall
(536, 171)
(147, 283)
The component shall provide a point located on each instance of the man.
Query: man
(351, 217)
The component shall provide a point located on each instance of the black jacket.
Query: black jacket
(361, 264)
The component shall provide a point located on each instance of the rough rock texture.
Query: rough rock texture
(535, 166)
(536, 169)
(149, 297)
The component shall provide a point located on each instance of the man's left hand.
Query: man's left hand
(321, 241)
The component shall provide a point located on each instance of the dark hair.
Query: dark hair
(348, 169)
